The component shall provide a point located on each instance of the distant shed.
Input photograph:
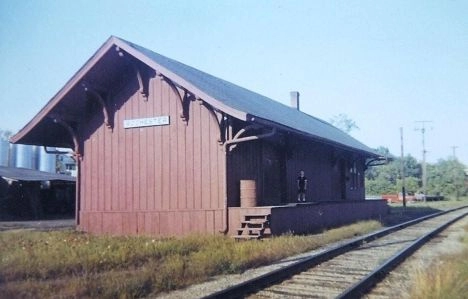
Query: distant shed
(162, 147)
(27, 194)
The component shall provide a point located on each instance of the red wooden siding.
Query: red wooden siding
(275, 168)
(327, 170)
(163, 180)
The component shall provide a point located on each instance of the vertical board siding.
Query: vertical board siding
(107, 173)
(196, 139)
(164, 175)
(142, 157)
(190, 168)
(316, 162)
(322, 167)
(135, 166)
(161, 180)
(158, 135)
(173, 149)
(244, 164)
(150, 162)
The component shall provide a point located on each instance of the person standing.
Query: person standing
(301, 186)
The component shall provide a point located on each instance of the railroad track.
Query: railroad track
(349, 270)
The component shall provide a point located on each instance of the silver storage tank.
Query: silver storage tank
(4, 152)
(24, 156)
(12, 157)
(46, 161)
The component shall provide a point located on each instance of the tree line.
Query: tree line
(446, 177)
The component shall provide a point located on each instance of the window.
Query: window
(355, 176)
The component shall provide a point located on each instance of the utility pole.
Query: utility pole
(454, 147)
(424, 173)
(454, 174)
(403, 191)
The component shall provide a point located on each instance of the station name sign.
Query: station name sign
(146, 122)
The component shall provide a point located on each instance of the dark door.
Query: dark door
(273, 180)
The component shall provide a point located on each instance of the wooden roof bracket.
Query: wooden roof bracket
(144, 77)
(382, 160)
(71, 131)
(184, 100)
(92, 93)
(221, 120)
(223, 127)
(229, 145)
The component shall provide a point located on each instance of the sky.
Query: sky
(385, 64)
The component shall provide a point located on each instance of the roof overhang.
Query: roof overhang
(41, 125)
(112, 59)
(68, 103)
(367, 152)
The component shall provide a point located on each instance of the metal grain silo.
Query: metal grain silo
(46, 161)
(24, 156)
(4, 152)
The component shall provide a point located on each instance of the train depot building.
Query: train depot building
(165, 149)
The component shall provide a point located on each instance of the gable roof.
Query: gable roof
(232, 99)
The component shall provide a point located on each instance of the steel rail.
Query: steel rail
(276, 276)
(363, 286)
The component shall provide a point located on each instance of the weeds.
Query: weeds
(68, 264)
(72, 264)
(446, 279)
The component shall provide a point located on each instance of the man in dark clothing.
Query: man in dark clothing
(301, 186)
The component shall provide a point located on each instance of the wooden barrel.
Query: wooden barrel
(248, 193)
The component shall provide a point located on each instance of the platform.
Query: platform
(309, 217)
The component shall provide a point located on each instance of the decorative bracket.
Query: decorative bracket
(222, 122)
(91, 93)
(71, 131)
(184, 100)
(144, 76)
(220, 118)
(377, 161)
(229, 145)
(184, 114)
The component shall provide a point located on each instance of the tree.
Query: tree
(412, 167)
(447, 177)
(343, 122)
(412, 184)
(5, 134)
(382, 179)
(387, 178)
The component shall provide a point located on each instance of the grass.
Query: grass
(446, 279)
(65, 264)
(399, 214)
(70, 264)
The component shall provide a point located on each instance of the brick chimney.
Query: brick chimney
(295, 99)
